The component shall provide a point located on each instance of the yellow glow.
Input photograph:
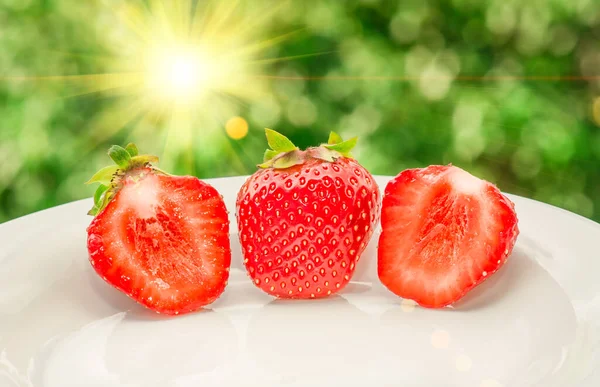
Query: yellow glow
(181, 74)
(177, 73)
(180, 68)
(236, 128)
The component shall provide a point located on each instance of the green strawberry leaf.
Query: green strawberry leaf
(99, 199)
(104, 176)
(103, 200)
(278, 142)
(343, 147)
(270, 154)
(94, 211)
(132, 149)
(99, 192)
(120, 156)
(334, 138)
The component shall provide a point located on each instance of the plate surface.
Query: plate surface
(535, 323)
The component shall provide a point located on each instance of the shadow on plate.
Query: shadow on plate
(513, 277)
(298, 342)
(124, 350)
(111, 297)
(515, 328)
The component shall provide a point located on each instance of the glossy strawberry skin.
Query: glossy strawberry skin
(444, 232)
(167, 248)
(304, 228)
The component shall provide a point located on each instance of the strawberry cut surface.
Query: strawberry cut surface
(164, 241)
(444, 232)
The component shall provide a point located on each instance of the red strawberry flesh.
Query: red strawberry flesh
(444, 232)
(163, 240)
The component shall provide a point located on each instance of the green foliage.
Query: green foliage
(419, 82)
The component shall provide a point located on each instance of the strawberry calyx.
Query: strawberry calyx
(284, 154)
(127, 161)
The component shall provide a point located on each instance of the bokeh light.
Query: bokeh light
(236, 128)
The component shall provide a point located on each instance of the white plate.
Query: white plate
(535, 323)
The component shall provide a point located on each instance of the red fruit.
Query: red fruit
(163, 240)
(306, 217)
(444, 232)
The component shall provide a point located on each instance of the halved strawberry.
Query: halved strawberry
(163, 240)
(444, 231)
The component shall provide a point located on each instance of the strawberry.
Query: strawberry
(444, 231)
(163, 240)
(305, 217)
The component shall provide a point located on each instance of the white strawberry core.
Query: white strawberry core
(466, 183)
(142, 197)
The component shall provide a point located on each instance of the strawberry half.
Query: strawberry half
(163, 240)
(444, 231)
(305, 217)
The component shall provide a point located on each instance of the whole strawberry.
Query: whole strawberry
(163, 240)
(305, 217)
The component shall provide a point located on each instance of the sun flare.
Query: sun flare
(179, 73)
(179, 68)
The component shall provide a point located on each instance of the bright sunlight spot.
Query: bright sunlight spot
(180, 74)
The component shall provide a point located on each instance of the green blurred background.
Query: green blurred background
(507, 89)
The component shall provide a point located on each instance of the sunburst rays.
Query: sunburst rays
(179, 69)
